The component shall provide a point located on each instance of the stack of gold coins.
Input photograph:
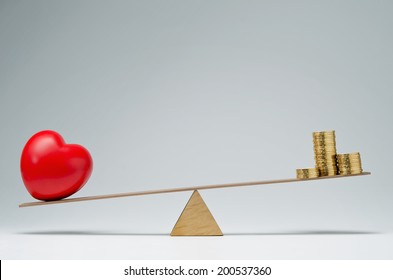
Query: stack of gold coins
(306, 173)
(349, 164)
(325, 152)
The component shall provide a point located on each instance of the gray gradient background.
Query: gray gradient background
(181, 93)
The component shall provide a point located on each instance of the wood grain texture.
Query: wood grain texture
(196, 219)
(230, 185)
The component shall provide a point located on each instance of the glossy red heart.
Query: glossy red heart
(52, 169)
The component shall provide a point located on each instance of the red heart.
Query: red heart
(52, 169)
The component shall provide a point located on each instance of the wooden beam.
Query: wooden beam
(218, 186)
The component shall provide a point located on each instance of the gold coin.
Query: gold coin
(325, 152)
(306, 173)
(319, 133)
(349, 164)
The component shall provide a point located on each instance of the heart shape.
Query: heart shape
(52, 169)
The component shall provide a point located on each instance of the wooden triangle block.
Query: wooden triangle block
(196, 219)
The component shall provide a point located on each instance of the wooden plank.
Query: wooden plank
(217, 186)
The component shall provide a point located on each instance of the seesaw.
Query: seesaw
(196, 219)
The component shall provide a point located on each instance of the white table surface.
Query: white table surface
(111, 245)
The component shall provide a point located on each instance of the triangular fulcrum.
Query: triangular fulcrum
(196, 219)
